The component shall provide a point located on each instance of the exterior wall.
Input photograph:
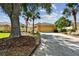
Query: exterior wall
(5, 28)
(46, 28)
(78, 26)
(39, 28)
(29, 29)
(22, 28)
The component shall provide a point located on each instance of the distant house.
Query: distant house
(78, 25)
(45, 27)
(4, 26)
(22, 27)
(39, 27)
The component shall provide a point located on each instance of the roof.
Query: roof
(44, 24)
(4, 23)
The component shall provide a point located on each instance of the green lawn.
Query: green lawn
(3, 35)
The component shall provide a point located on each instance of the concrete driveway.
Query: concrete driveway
(54, 44)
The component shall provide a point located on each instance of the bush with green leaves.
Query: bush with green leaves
(61, 23)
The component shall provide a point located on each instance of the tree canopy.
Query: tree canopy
(62, 22)
(30, 9)
(71, 10)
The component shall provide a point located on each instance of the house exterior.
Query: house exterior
(45, 27)
(22, 27)
(78, 25)
(39, 27)
(5, 27)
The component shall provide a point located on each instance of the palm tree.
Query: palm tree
(13, 12)
(72, 9)
(33, 10)
(35, 16)
(27, 15)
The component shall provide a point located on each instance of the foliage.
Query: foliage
(5, 31)
(72, 10)
(13, 11)
(32, 10)
(62, 22)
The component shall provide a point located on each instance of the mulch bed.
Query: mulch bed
(18, 46)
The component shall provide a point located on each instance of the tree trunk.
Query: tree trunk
(26, 24)
(33, 25)
(75, 24)
(15, 25)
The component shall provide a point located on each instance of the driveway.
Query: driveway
(54, 44)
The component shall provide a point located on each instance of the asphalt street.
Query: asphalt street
(56, 45)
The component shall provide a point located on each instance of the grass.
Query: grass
(3, 35)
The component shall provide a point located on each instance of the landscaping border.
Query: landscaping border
(37, 45)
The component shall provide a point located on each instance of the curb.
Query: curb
(36, 46)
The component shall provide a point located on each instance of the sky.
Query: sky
(57, 10)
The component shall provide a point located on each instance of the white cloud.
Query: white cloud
(53, 5)
(53, 15)
(51, 18)
(42, 10)
(61, 11)
(46, 16)
(4, 19)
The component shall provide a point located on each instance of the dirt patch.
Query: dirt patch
(19, 46)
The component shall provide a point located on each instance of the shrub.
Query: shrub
(4, 31)
(1, 31)
(56, 30)
(63, 30)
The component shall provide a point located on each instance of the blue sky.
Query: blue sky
(56, 13)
